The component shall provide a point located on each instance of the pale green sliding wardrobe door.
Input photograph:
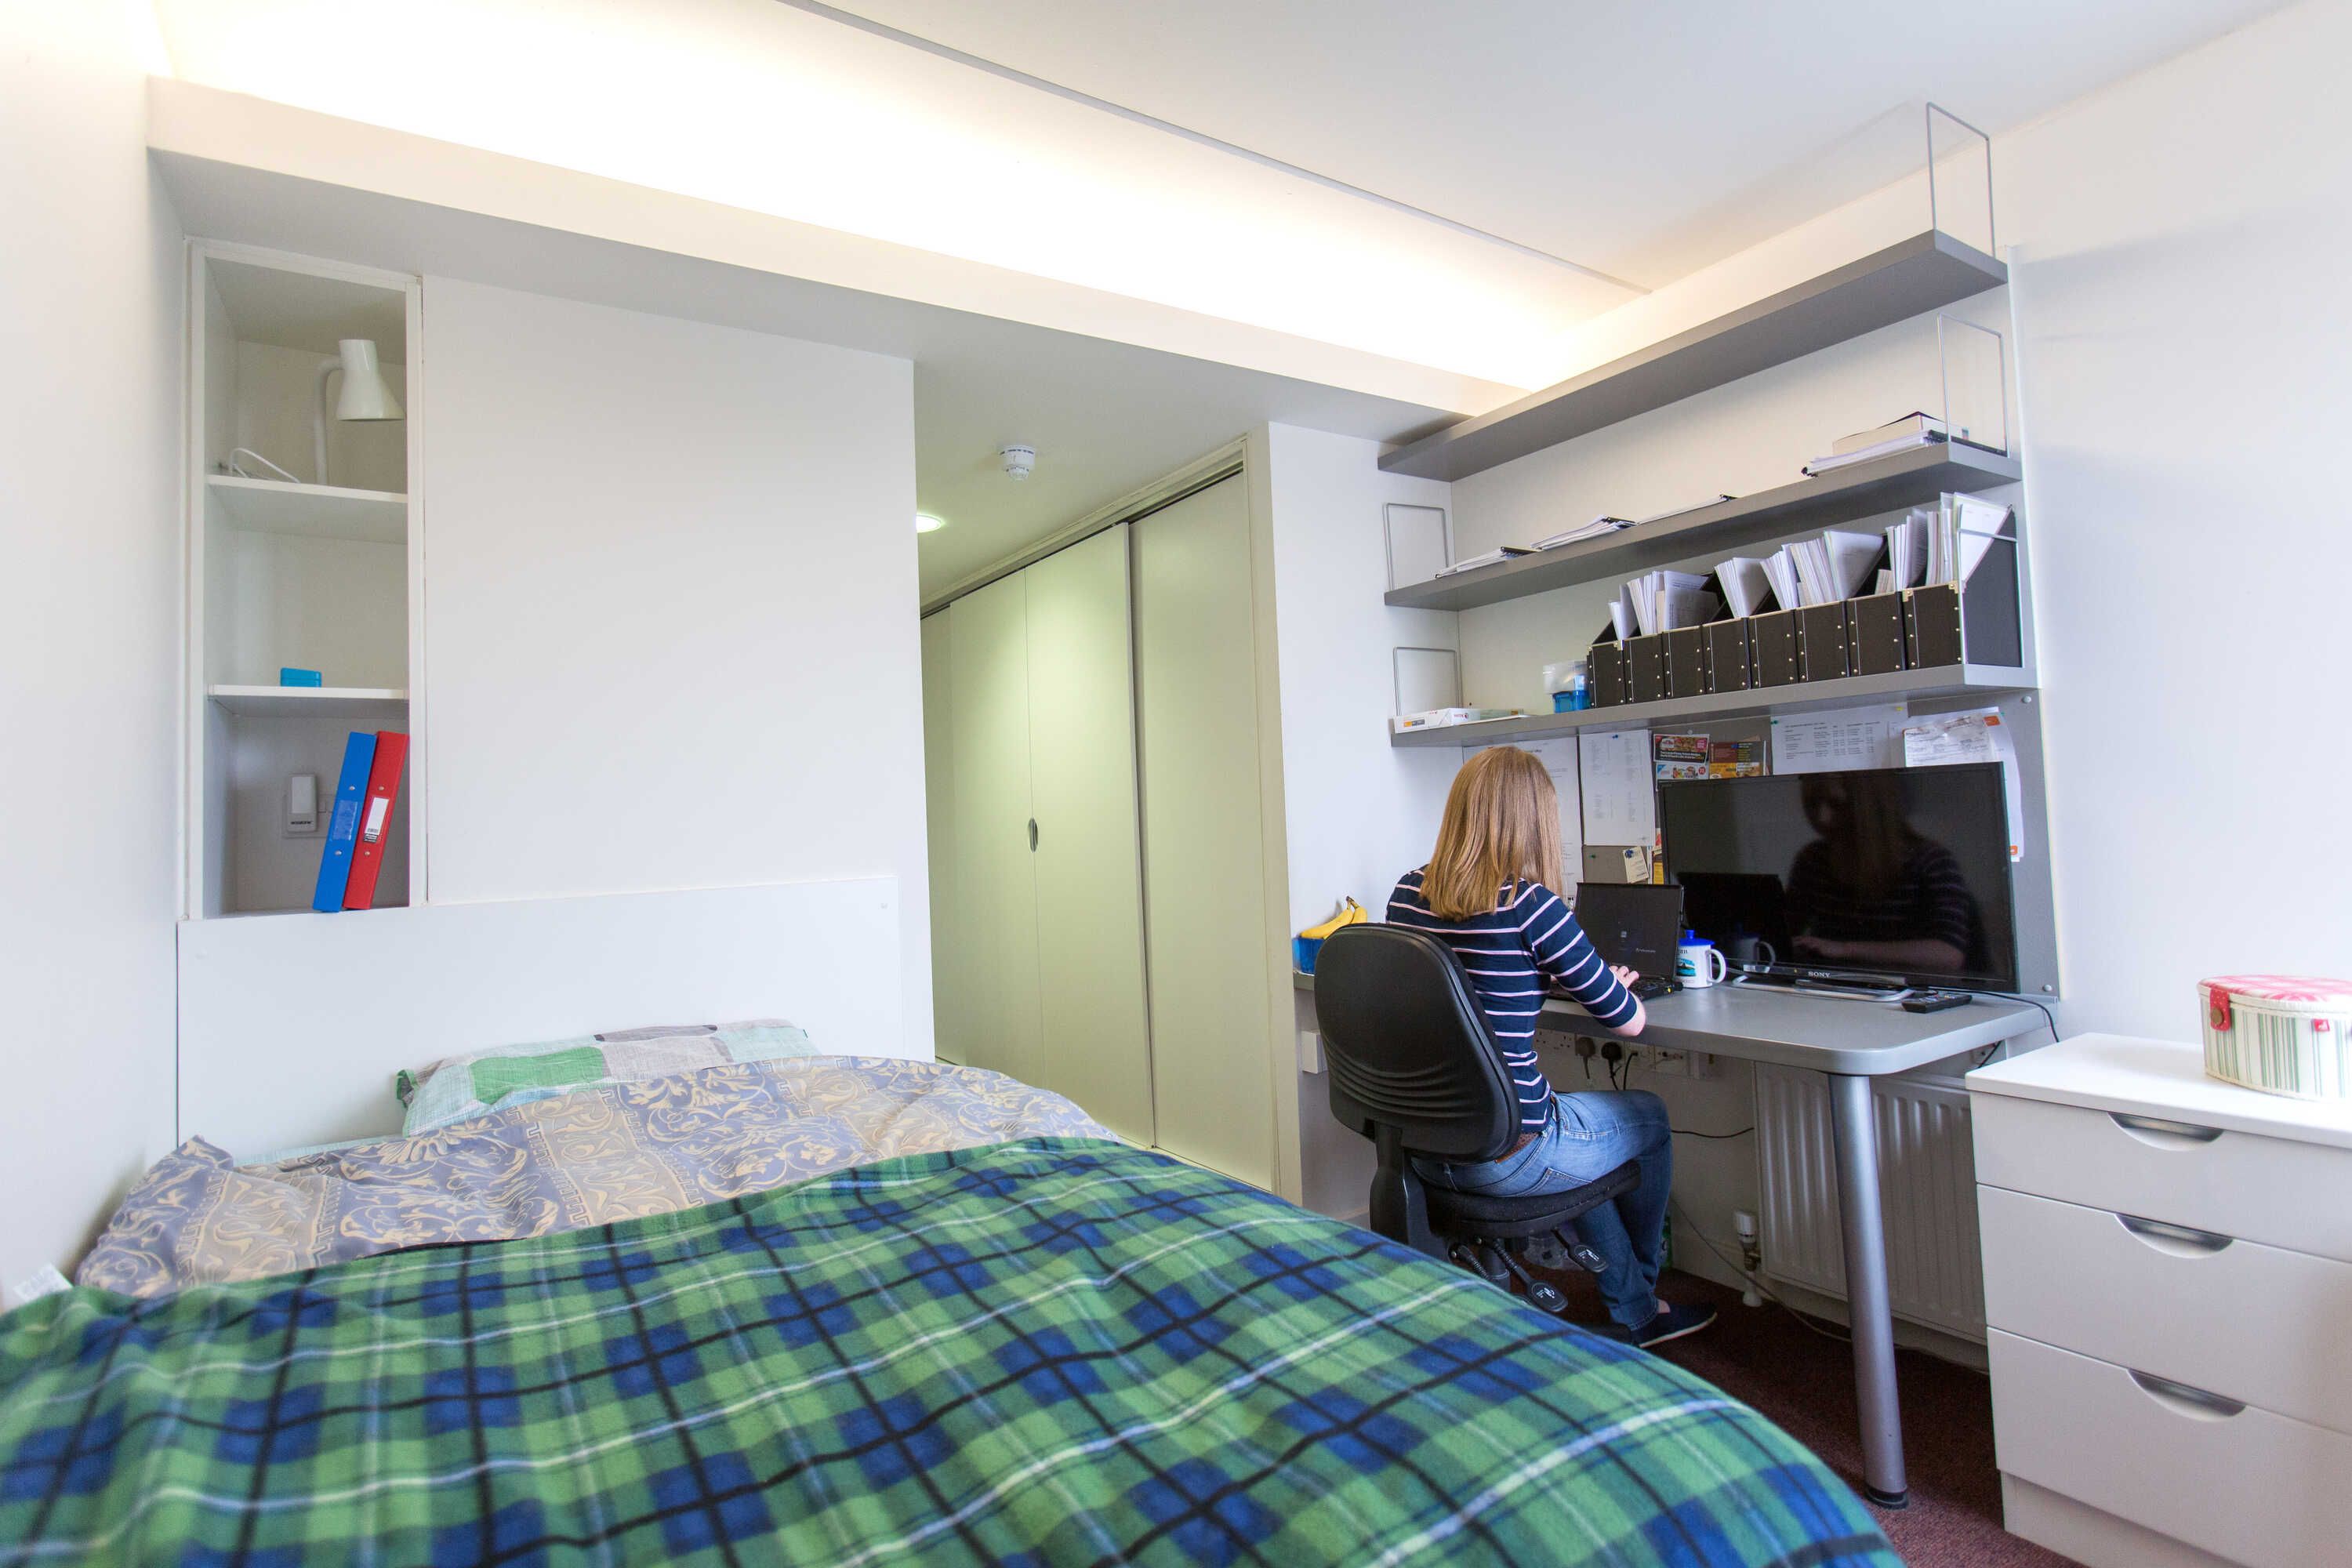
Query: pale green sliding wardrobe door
(938, 825)
(1204, 901)
(994, 940)
(1089, 883)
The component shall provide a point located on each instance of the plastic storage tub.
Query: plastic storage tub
(2282, 1034)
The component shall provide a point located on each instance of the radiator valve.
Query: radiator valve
(1751, 1256)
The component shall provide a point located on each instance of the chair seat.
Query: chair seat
(1501, 1217)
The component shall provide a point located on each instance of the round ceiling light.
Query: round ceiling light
(926, 523)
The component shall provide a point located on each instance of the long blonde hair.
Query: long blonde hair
(1501, 830)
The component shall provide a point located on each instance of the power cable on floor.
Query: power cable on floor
(1755, 1282)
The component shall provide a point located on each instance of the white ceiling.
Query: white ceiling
(1641, 139)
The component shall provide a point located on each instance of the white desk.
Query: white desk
(1851, 1043)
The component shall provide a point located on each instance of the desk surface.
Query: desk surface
(1827, 1033)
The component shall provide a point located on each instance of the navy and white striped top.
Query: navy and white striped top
(1509, 955)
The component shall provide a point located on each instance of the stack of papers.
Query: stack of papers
(1910, 427)
(1834, 566)
(1608, 524)
(1662, 602)
(1907, 550)
(1963, 529)
(1492, 558)
(1598, 527)
(1716, 500)
(1914, 429)
(1745, 586)
(1809, 572)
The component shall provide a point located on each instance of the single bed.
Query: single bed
(1025, 1344)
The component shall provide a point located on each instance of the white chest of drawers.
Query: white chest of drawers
(2167, 1267)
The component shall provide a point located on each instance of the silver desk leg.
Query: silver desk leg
(1856, 1129)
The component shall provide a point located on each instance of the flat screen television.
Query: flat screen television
(1895, 876)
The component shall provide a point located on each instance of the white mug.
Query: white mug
(1697, 964)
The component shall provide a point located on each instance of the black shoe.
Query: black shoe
(1672, 1323)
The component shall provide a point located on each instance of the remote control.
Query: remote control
(1935, 1001)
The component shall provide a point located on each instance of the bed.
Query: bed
(867, 1312)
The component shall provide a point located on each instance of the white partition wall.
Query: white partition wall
(671, 635)
(290, 1030)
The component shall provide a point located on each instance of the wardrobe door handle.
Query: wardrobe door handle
(2177, 1239)
(2203, 1404)
(1033, 836)
(2162, 1133)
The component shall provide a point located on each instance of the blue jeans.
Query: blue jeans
(1587, 1136)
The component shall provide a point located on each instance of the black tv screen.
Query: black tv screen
(1892, 873)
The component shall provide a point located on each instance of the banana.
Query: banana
(1350, 914)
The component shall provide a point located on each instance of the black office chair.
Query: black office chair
(1415, 1068)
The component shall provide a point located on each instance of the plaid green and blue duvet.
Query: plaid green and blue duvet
(1045, 1351)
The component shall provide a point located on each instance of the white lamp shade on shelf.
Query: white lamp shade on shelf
(365, 393)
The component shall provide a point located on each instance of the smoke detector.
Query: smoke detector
(1020, 457)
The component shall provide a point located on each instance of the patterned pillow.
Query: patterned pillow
(458, 1088)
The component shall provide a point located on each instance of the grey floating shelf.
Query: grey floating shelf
(1921, 273)
(1914, 684)
(1843, 495)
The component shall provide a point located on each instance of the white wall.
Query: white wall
(670, 620)
(2178, 318)
(89, 332)
(1357, 812)
(2178, 324)
(2183, 328)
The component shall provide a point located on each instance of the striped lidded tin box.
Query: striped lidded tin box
(2282, 1034)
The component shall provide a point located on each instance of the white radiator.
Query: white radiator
(1927, 1169)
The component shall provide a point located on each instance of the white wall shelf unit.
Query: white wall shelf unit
(320, 573)
(349, 703)
(312, 511)
(1914, 276)
(1988, 682)
(1843, 495)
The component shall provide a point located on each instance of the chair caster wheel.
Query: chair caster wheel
(1547, 1295)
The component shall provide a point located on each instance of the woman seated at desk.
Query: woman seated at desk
(1487, 893)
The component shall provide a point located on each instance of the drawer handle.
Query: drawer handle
(2177, 1239)
(2200, 1403)
(2163, 1134)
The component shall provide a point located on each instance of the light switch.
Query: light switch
(1310, 1051)
(302, 805)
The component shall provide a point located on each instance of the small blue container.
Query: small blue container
(1571, 686)
(290, 676)
(1303, 950)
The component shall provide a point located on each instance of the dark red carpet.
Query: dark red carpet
(1804, 1384)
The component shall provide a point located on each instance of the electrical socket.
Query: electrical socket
(1667, 1061)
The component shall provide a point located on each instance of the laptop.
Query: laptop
(1636, 924)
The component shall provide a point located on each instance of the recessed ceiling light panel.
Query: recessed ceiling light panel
(926, 523)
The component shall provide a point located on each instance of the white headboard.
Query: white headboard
(291, 1026)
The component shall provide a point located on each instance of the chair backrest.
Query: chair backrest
(1407, 1046)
